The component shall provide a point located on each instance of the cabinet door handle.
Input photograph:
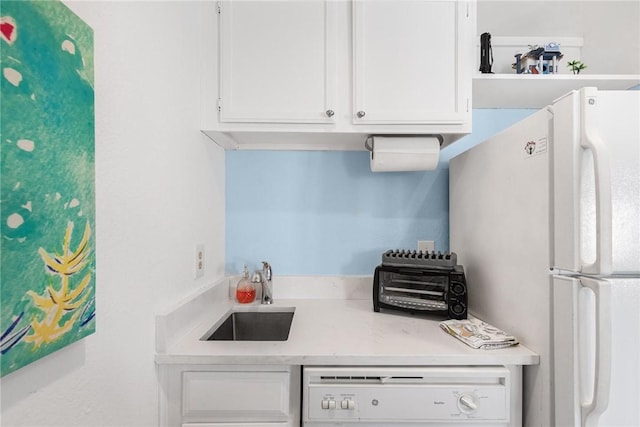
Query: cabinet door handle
(360, 114)
(330, 113)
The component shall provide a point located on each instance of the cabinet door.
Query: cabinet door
(410, 63)
(235, 396)
(276, 60)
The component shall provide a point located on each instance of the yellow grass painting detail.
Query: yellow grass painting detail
(55, 304)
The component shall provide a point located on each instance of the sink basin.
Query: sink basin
(254, 325)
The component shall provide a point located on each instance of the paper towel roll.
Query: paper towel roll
(404, 153)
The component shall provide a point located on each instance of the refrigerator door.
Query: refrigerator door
(596, 351)
(596, 174)
(500, 224)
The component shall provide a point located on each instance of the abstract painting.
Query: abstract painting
(47, 197)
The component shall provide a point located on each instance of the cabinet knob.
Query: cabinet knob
(360, 114)
(330, 113)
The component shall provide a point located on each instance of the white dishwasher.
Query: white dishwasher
(409, 396)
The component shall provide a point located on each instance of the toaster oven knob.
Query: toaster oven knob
(467, 403)
(457, 308)
(457, 288)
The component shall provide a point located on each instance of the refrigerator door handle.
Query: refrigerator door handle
(590, 140)
(592, 409)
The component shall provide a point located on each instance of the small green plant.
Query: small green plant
(576, 66)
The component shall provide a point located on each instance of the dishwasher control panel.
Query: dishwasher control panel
(408, 395)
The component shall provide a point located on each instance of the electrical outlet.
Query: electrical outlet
(199, 266)
(426, 245)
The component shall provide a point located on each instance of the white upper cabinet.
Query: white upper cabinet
(325, 74)
(409, 62)
(275, 61)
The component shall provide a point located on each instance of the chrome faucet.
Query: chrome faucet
(267, 283)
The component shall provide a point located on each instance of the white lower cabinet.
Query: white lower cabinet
(222, 396)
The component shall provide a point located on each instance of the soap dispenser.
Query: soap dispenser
(246, 290)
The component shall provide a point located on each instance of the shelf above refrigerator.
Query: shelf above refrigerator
(538, 91)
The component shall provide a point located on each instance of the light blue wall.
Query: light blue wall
(326, 213)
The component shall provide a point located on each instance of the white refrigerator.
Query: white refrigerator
(545, 219)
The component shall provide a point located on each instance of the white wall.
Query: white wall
(159, 191)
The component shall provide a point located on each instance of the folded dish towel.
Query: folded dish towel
(478, 334)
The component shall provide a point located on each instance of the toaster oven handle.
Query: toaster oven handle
(376, 290)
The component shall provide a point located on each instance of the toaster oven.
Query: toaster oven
(420, 282)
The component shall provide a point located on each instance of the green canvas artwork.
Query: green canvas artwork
(47, 201)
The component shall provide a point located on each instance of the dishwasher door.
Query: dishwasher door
(406, 396)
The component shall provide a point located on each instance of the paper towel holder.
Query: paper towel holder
(403, 153)
(368, 143)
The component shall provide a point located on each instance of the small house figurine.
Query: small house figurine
(538, 60)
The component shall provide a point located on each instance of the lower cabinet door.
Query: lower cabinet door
(252, 398)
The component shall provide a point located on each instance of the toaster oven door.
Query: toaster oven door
(411, 289)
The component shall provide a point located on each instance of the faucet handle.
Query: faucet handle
(266, 270)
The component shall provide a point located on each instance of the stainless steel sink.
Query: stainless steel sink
(271, 324)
